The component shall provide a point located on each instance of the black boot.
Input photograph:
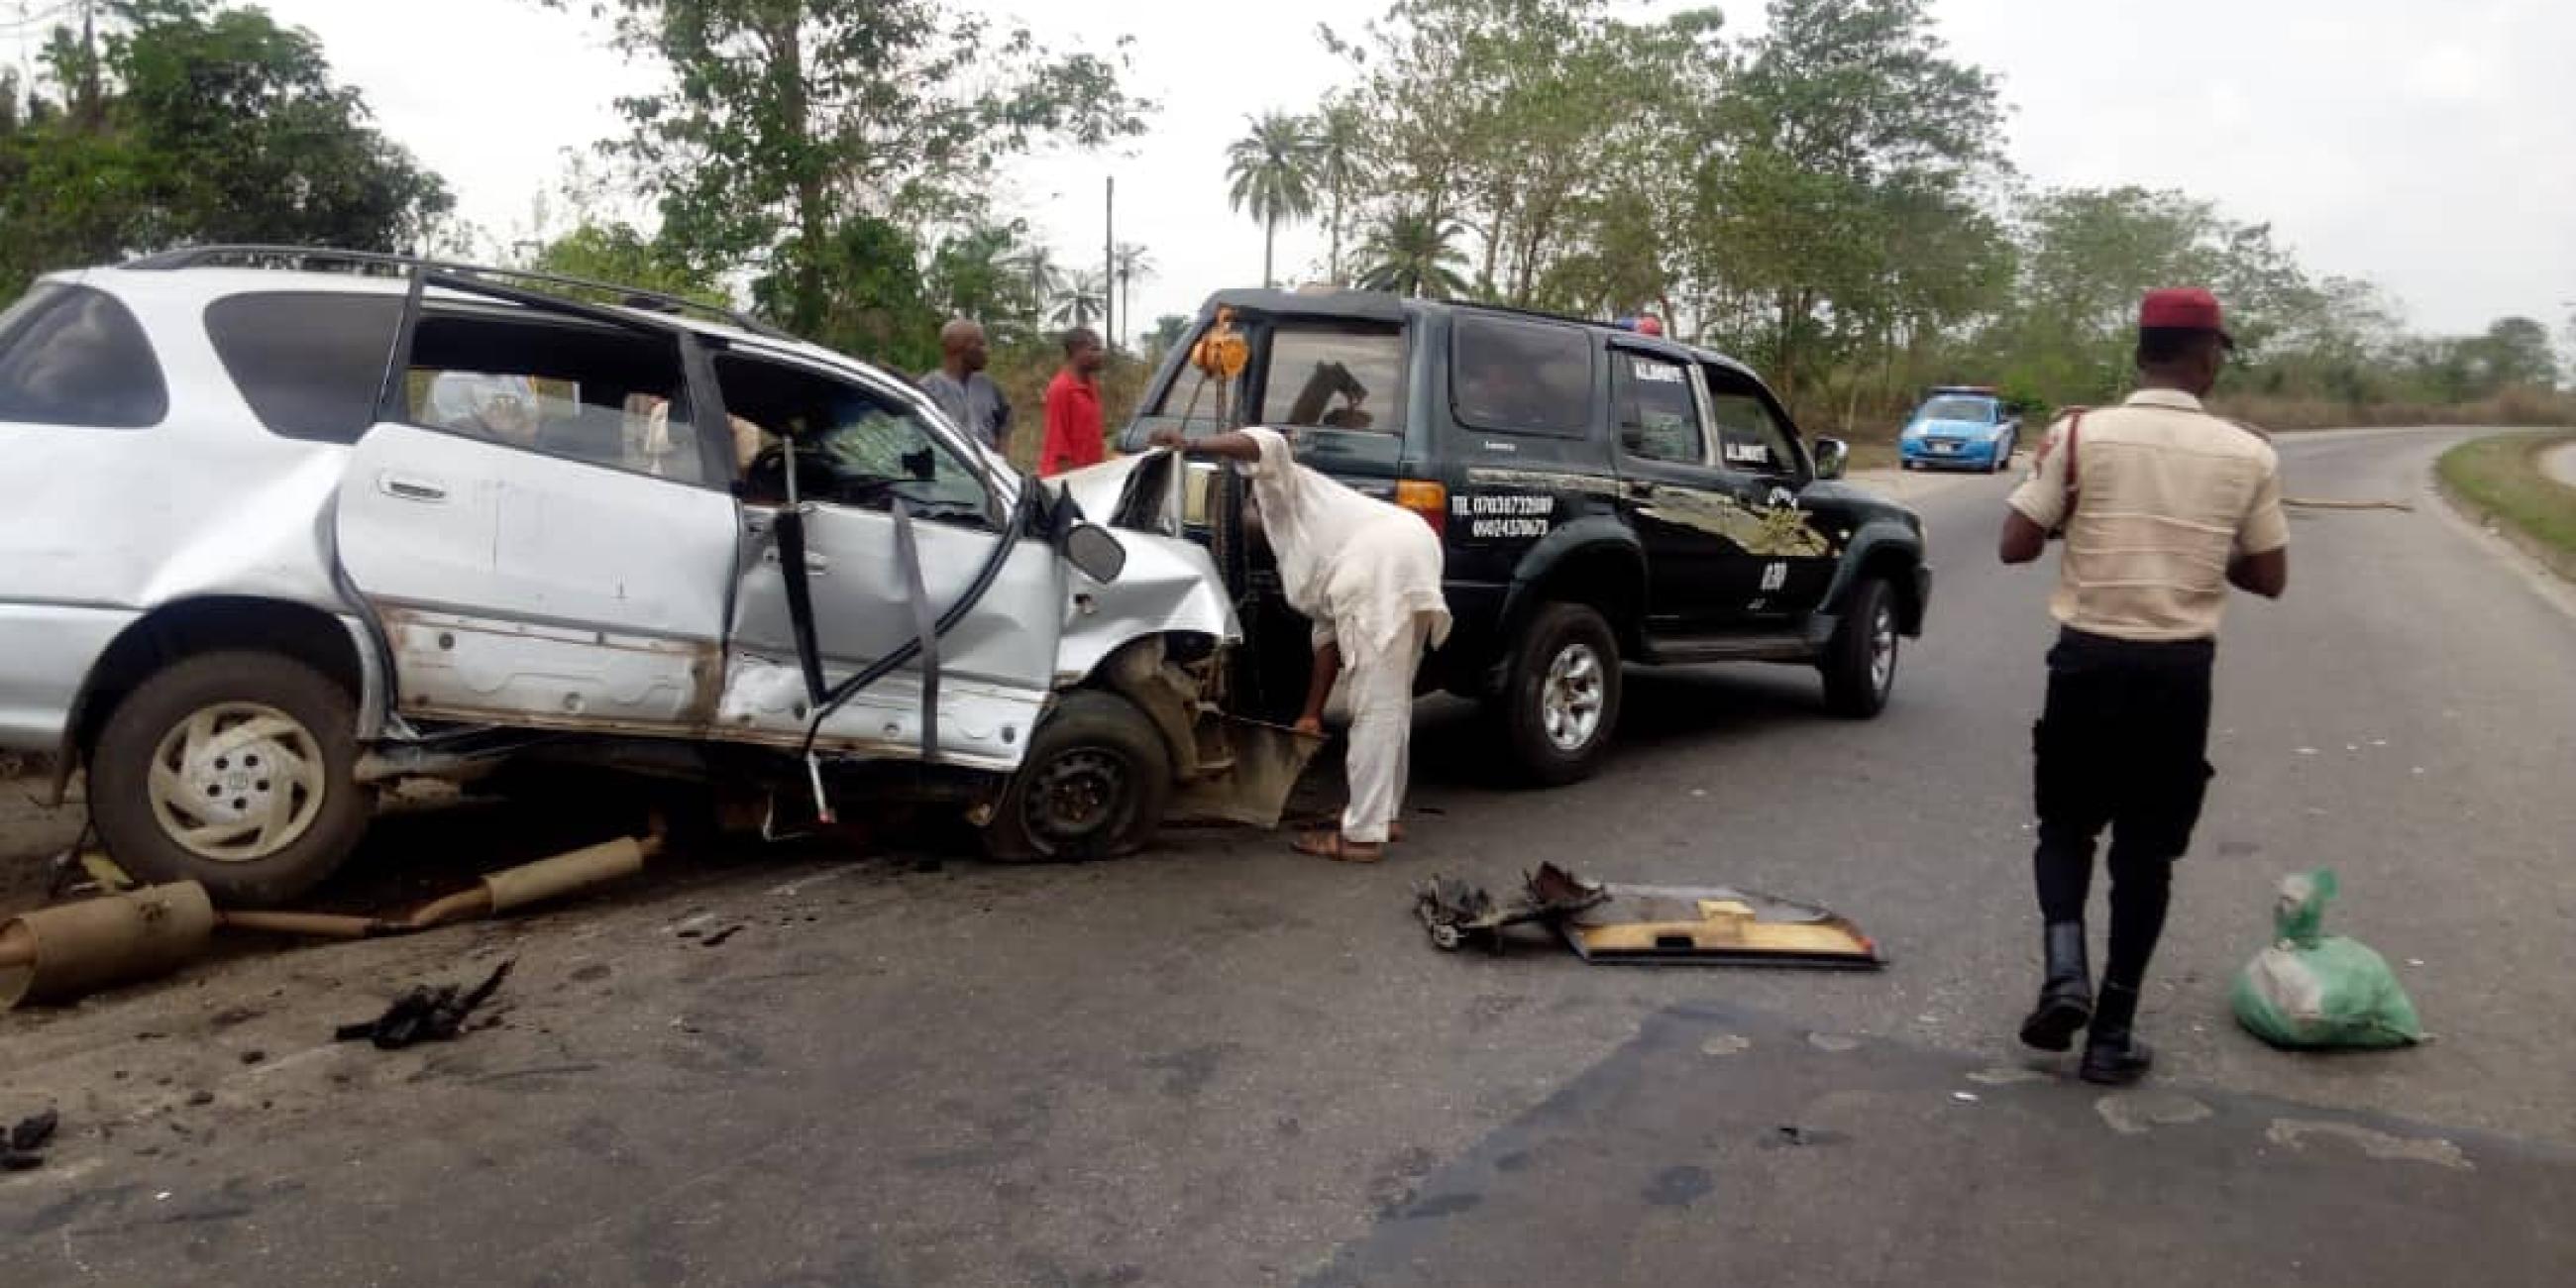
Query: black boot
(2113, 1056)
(2066, 995)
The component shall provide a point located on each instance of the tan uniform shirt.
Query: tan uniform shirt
(2167, 496)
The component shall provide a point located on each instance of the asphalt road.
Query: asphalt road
(1223, 1064)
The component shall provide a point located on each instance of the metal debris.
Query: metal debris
(425, 1014)
(1455, 912)
(1611, 922)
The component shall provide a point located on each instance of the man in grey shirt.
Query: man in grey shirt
(961, 388)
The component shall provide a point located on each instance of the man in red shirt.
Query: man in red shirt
(1073, 427)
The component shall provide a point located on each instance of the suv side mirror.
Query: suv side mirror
(1092, 549)
(1833, 455)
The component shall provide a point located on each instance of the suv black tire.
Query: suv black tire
(1095, 784)
(1552, 650)
(1855, 687)
(311, 722)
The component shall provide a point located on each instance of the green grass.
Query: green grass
(2501, 477)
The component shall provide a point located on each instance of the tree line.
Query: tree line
(1831, 200)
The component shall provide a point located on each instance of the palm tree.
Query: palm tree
(1041, 280)
(973, 274)
(1132, 261)
(1411, 254)
(1340, 135)
(1086, 296)
(1271, 173)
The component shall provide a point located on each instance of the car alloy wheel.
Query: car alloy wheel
(1571, 699)
(1882, 650)
(237, 781)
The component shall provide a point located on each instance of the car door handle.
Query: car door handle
(814, 563)
(403, 487)
(1639, 489)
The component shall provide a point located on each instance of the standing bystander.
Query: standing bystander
(1073, 427)
(962, 390)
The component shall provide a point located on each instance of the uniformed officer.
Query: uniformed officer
(2163, 507)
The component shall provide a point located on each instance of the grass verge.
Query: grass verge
(2499, 480)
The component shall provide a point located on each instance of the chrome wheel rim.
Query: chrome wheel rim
(1882, 651)
(237, 782)
(1571, 700)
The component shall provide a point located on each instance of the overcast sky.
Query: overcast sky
(2425, 145)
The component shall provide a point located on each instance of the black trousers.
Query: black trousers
(2123, 744)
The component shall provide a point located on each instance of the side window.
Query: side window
(854, 446)
(1658, 417)
(1749, 438)
(309, 363)
(603, 395)
(1350, 380)
(1521, 377)
(73, 355)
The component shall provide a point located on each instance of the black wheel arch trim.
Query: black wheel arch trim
(1884, 547)
(1587, 538)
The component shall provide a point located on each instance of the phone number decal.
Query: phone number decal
(1504, 514)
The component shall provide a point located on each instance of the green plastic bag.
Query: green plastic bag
(2312, 990)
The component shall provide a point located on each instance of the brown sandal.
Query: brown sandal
(1331, 844)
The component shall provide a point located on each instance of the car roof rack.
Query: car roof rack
(258, 255)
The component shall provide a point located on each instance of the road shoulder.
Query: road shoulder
(2514, 485)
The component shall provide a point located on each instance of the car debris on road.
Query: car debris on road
(63, 953)
(425, 1014)
(22, 1148)
(1607, 921)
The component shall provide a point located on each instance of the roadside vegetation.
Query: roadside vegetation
(2501, 478)
(1832, 200)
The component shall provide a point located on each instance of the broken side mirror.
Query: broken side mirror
(1833, 456)
(1092, 549)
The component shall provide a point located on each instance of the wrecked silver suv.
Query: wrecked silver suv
(282, 527)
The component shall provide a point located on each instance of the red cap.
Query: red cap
(2183, 308)
(1649, 326)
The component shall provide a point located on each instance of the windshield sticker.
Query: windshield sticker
(1492, 514)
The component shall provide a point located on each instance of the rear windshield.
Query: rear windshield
(1347, 380)
(1521, 377)
(309, 363)
(74, 355)
(1974, 410)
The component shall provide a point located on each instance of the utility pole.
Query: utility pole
(1109, 261)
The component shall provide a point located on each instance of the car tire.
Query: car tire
(1859, 664)
(223, 742)
(1094, 785)
(1560, 700)
(2004, 454)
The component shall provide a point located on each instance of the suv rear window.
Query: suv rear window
(309, 363)
(1521, 377)
(1348, 380)
(74, 355)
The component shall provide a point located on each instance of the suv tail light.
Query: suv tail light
(1430, 500)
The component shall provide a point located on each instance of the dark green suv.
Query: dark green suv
(1605, 497)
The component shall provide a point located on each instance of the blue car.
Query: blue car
(1960, 427)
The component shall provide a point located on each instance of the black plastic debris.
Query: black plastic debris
(23, 1148)
(425, 1014)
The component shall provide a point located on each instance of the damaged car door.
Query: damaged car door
(539, 546)
(900, 525)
